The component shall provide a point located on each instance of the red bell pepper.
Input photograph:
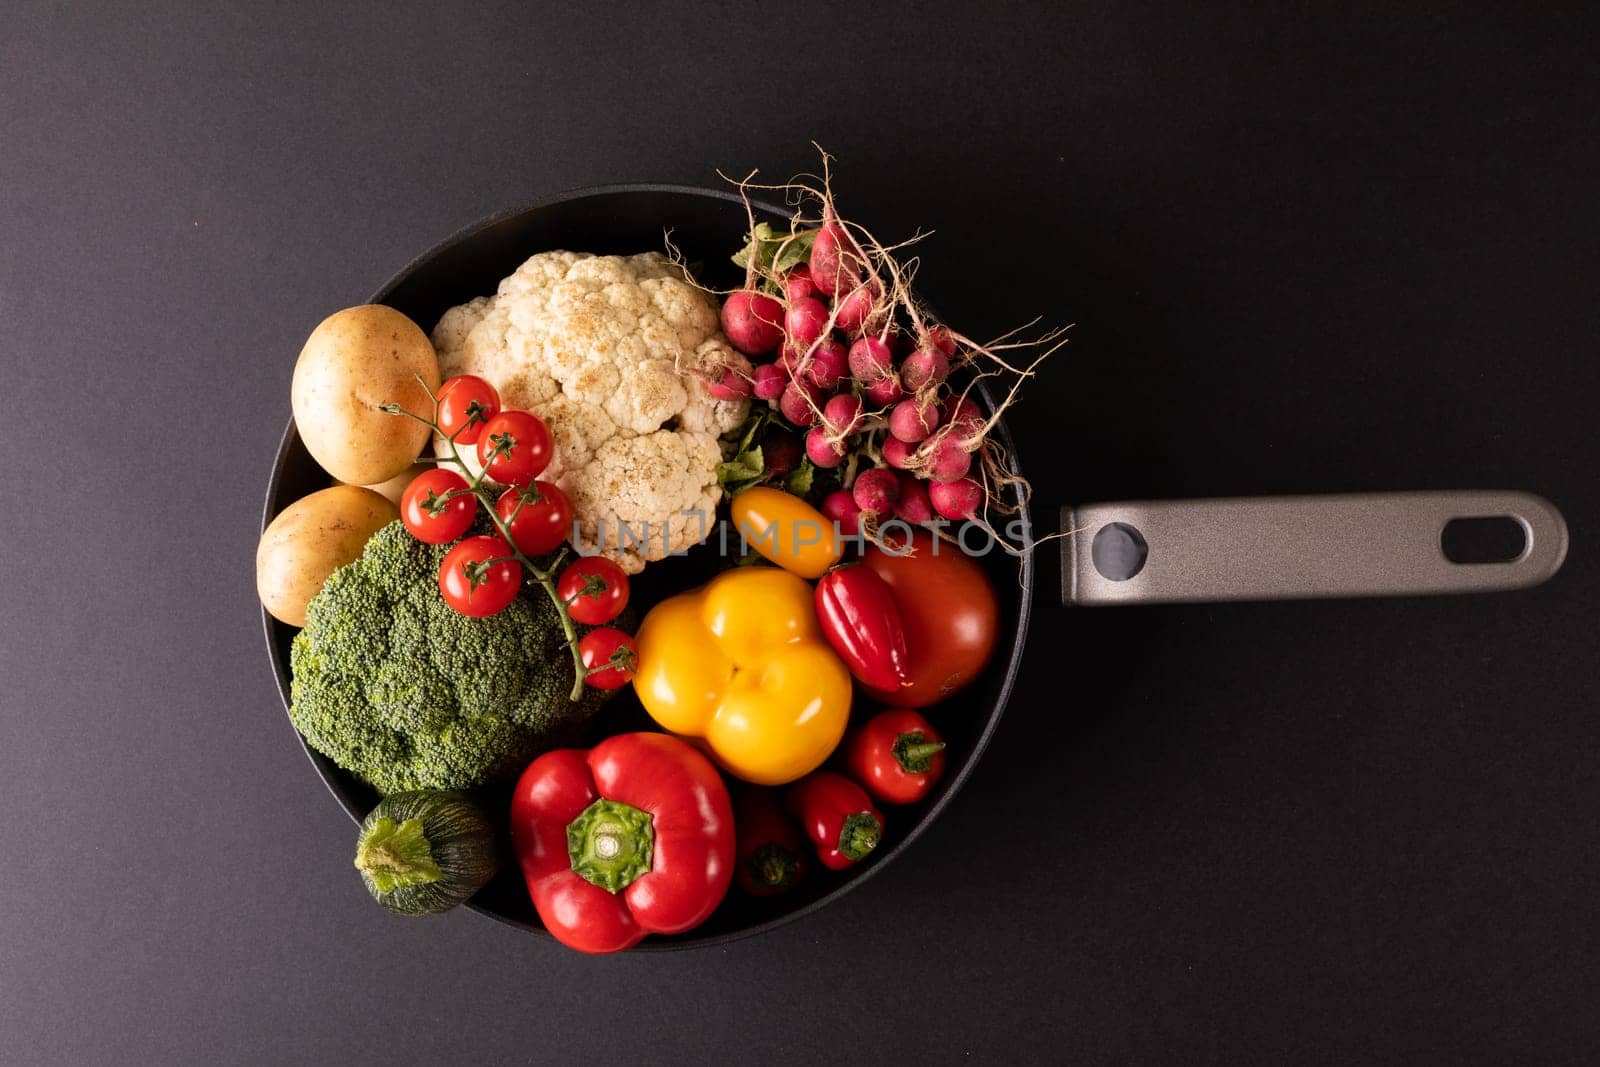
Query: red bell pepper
(633, 837)
(837, 816)
(771, 851)
(897, 755)
(860, 619)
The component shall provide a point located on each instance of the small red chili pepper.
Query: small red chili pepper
(838, 817)
(859, 617)
(897, 755)
(771, 854)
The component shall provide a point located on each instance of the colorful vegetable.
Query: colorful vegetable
(437, 507)
(949, 612)
(883, 391)
(727, 381)
(913, 506)
(478, 577)
(771, 852)
(311, 539)
(926, 368)
(466, 404)
(913, 420)
(947, 461)
(786, 530)
(515, 447)
(841, 415)
(835, 267)
(405, 693)
(870, 360)
(876, 490)
(767, 381)
(798, 402)
(860, 619)
(609, 656)
(741, 663)
(351, 357)
(857, 309)
(805, 321)
(420, 853)
(751, 321)
(797, 283)
(539, 517)
(633, 837)
(853, 333)
(899, 455)
(825, 364)
(594, 589)
(838, 817)
(956, 500)
(897, 755)
(841, 508)
(823, 448)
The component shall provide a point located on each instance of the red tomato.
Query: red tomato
(539, 517)
(515, 447)
(610, 655)
(950, 613)
(594, 589)
(472, 584)
(429, 515)
(466, 404)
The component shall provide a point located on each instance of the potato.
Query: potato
(353, 362)
(309, 540)
(397, 485)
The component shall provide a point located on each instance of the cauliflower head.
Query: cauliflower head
(613, 353)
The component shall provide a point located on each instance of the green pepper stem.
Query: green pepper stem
(912, 750)
(773, 867)
(859, 835)
(611, 843)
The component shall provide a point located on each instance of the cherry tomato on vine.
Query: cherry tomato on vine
(539, 517)
(610, 655)
(594, 589)
(515, 447)
(430, 514)
(466, 404)
(472, 584)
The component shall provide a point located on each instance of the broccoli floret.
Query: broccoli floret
(394, 686)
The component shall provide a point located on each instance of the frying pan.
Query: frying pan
(1114, 553)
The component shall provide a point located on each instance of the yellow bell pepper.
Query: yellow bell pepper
(741, 663)
(786, 530)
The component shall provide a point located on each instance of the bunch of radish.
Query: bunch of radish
(858, 376)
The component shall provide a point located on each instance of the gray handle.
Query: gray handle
(1297, 547)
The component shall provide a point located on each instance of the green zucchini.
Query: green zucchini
(425, 852)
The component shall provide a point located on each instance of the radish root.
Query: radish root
(1008, 360)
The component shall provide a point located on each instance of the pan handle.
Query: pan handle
(1296, 547)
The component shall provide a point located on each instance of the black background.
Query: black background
(1304, 252)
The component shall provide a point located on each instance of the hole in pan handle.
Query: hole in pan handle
(1297, 547)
